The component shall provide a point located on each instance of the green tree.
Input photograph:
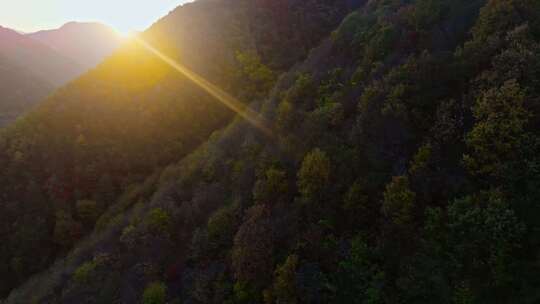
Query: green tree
(285, 287)
(285, 115)
(222, 225)
(493, 234)
(158, 221)
(359, 279)
(356, 205)
(421, 159)
(84, 273)
(272, 187)
(398, 202)
(356, 198)
(253, 250)
(314, 174)
(155, 293)
(258, 78)
(500, 16)
(499, 132)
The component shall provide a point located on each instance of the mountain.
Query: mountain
(134, 114)
(20, 89)
(391, 156)
(29, 72)
(33, 65)
(37, 58)
(85, 43)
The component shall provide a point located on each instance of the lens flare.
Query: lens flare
(232, 103)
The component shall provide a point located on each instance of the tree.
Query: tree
(484, 233)
(158, 221)
(314, 175)
(253, 250)
(356, 205)
(84, 273)
(421, 159)
(285, 115)
(272, 187)
(155, 293)
(284, 288)
(222, 225)
(359, 279)
(499, 132)
(257, 77)
(499, 16)
(398, 202)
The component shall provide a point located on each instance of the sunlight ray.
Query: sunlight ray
(229, 101)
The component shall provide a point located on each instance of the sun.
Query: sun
(125, 34)
(128, 34)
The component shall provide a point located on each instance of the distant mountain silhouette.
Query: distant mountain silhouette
(38, 58)
(29, 71)
(33, 65)
(20, 88)
(85, 43)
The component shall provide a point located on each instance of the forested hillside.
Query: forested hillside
(401, 166)
(95, 141)
(20, 90)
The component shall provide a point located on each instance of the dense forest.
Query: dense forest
(395, 159)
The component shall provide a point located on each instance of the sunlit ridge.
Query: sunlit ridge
(225, 98)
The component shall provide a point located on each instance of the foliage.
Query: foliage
(314, 175)
(273, 185)
(252, 255)
(155, 293)
(499, 129)
(260, 77)
(399, 201)
(222, 225)
(158, 221)
(359, 278)
(285, 289)
(84, 273)
(402, 166)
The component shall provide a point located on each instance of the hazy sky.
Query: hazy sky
(123, 15)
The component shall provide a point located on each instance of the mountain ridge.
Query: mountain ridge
(87, 43)
(110, 128)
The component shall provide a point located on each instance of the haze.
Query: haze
(34, 15)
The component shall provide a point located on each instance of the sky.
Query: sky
(123, 15)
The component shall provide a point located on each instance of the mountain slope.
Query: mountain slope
(97, 139)
(29, 72)
(402, 168)
(85, 43)
(33, 65)
(20, 90)
(38, 58)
